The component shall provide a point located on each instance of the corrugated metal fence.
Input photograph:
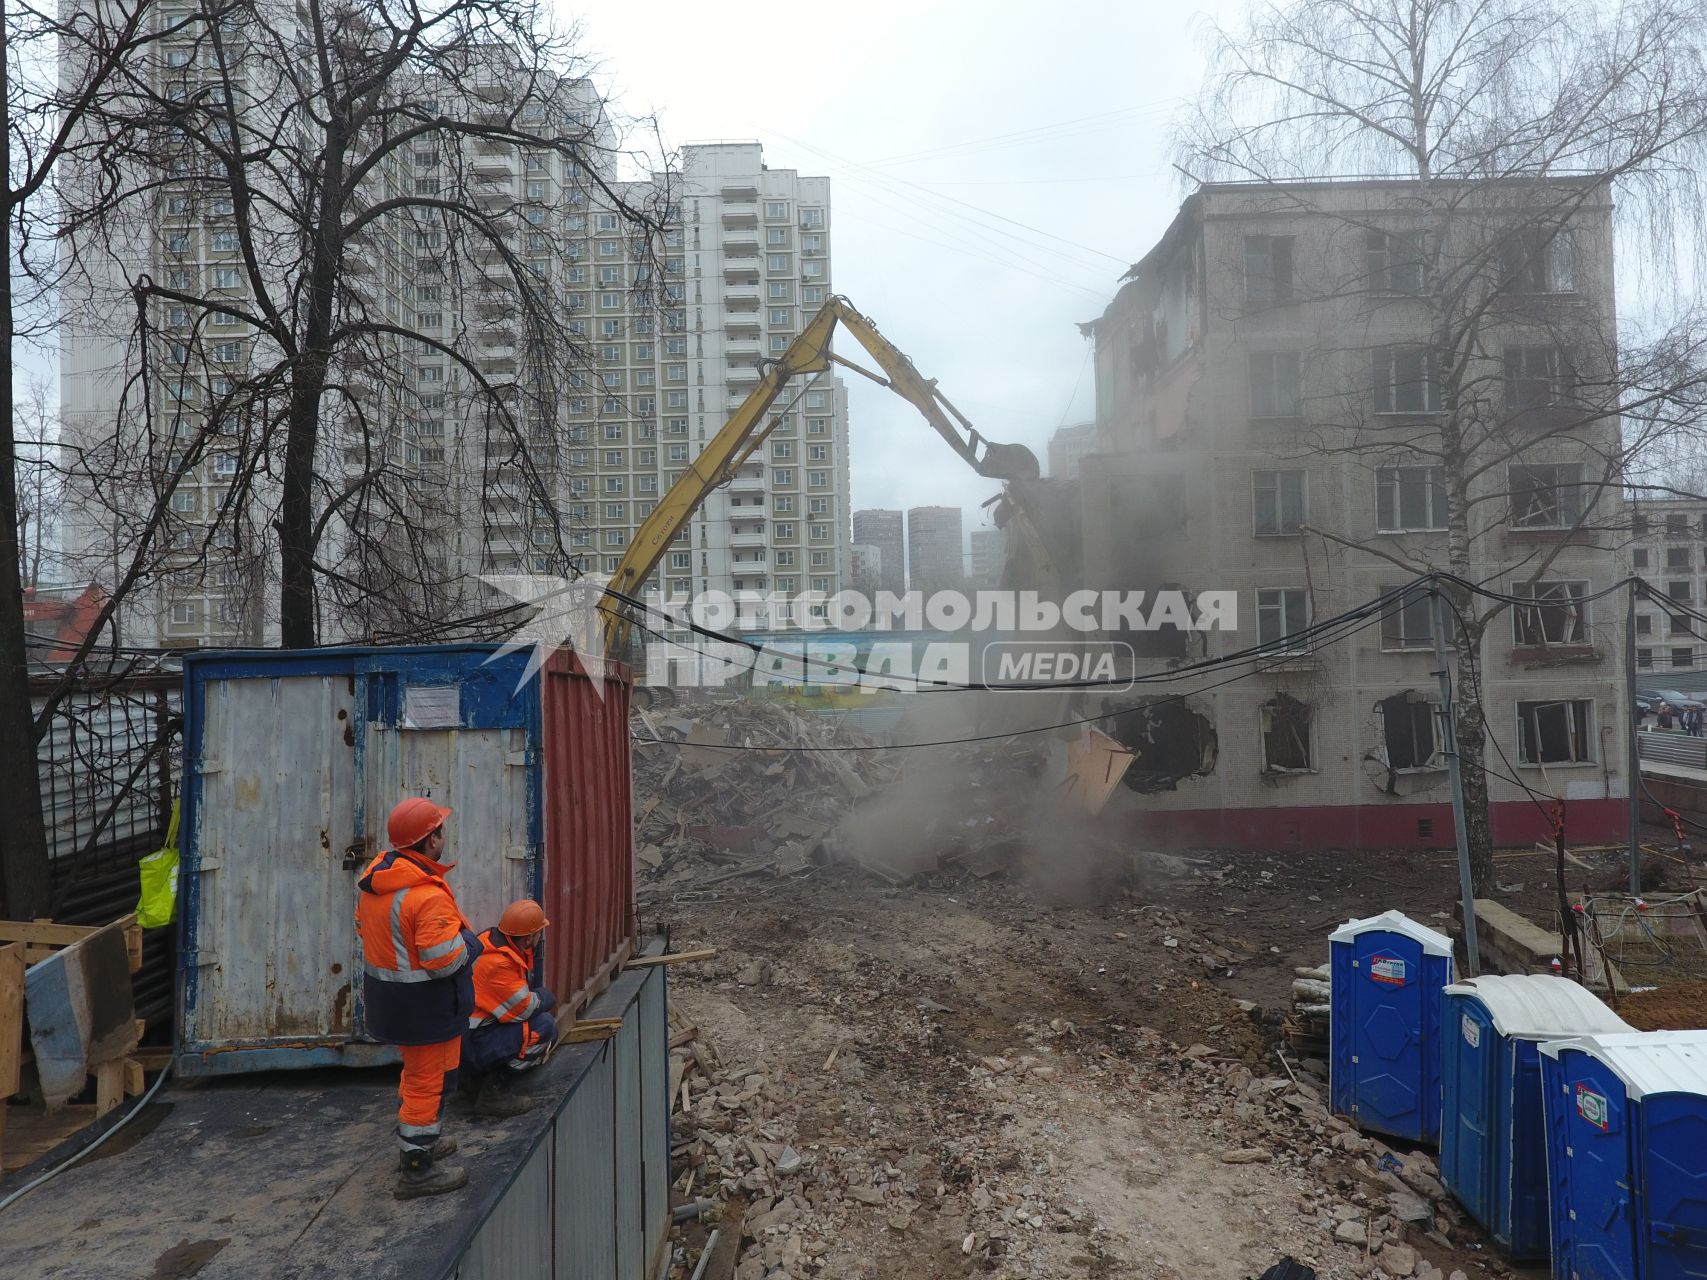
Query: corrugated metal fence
(109, 768)
(1673, 748)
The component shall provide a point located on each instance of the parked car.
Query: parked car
(1676, 698)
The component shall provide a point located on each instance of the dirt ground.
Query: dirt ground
(981, 1078)
(1681, 1007)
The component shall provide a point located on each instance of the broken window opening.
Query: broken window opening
(1555, 732)
(1409, 622)
(1169, 743)
(1408, 728)
(1286, 735)
(1558, 616)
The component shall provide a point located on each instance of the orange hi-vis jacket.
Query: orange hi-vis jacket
(417, 949)
(502, 992)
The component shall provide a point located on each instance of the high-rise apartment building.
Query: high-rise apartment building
(884, 530)
(989, 557)
(1269, 417)
(1068, 446)
(935, 559)
(669, 332)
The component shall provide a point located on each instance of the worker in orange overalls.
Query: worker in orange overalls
(511, 1029)
(419, 987)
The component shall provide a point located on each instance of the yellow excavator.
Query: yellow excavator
(747, 429)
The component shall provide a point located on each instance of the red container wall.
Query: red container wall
(589, 826)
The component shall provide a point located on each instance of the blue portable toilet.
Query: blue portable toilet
(1493, 1142)
(1386, 976)
(1627, 1155)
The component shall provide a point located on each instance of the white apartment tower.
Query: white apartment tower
(744, 257)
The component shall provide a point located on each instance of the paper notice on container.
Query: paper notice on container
(432, 706)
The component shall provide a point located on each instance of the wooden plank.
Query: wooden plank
(685, 1036)
(109, 1086)
(31, 1134)
(678, 1069)
(134, 1079)
(11, 1019)
(591, 1029)
(45, 932)
(680, 957)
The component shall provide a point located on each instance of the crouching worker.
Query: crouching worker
(511, 1030)
(419, 984)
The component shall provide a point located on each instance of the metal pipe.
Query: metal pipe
(1449, 740)
(682, 1212)
(705, 1254)
(1633, 761)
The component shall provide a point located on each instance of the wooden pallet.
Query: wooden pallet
(25, 1133)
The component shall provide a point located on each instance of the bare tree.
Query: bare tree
(1502, 130)
(40, 481)
(358, 299)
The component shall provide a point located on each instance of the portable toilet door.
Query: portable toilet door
(1627, 1155)
(1492, 1138)
(1387, 973)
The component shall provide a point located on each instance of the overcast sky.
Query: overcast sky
(995, 167)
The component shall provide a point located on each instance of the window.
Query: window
(179, 58)
(785, 502)
(1678, 591)
(781, 290)
(226, 278)
(812, 244)
(183, 502)
(1678, 624)
(1558, 616)
(613, 457)
(817, 452)
(817, 426)
(610, 301)
(615, 484)
(812, 269)
(224, 464)
(784, 529)
(605, 222)
(818, 532)
(675, 346)
(227, 352)
(1535, 378)
(1546, 497)
(782, 317)
(1683, 657)
(184, 615)
(1409, 622)
(1555, 732)
(818, 507)
(613, 430)
(1407, 728)
(1268, 268)
(1283, 612)
(812, 295)
(782, 448)
(678, 453)
(1279, 501)
(1403, 380)
(1538, 260)
(776, 262)
(430, 373)
(1644, 624)
(776, 209)
(1394, 260)
(817, 479)
(783, 475)
(1639, 558)
(1274, 384)
(1677, 557)
(811, 218)
(1645, 658)
(1677, 525)
(1285, 725)
(784, 560)
(1409, 499)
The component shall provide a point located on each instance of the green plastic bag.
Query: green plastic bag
(159, 903)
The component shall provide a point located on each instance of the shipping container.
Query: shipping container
(1627, 1155)
(294, 758)
(1386, 975)
(1493, 1142)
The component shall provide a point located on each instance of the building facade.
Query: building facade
(1068, 447)
(935, 559)
(668, 331)
(989, 553)
(885, 531)
(1269, 423)
(1668, 550)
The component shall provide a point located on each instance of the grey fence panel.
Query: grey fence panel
(654, 1112)
(101, 748)
(586, 1202)
(630, 1229)
(1673, 748)
(515, 1240)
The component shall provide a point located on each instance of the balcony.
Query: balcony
(739, 327)
(744, 536)
(740, 192)
(741, 297)
(498, 191)
(740, 241)
(490, 162)
(742, 269)
(740, 213)
(744, 376)
(741, 349)
(748, 481)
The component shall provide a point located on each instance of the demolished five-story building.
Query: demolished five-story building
(1271, 411)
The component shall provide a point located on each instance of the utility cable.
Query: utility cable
(72, 1159)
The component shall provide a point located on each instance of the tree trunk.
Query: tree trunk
(1472, 729)
(297, 614)
(24, 871)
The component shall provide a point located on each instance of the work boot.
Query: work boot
(421, 1177)
(496, 1099)
(442, 1149)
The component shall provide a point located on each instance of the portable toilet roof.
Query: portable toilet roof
(1432, 941)
(1538, 1006)
(1648, 1062)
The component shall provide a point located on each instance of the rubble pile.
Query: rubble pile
(740, 792)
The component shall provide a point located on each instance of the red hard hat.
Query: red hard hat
(522, 919)
(413, 820)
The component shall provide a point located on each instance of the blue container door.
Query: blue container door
(1599, 1219)
(1520, 1190)
(1470, 1058)
(1387, 1036)
(1674, 1186)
